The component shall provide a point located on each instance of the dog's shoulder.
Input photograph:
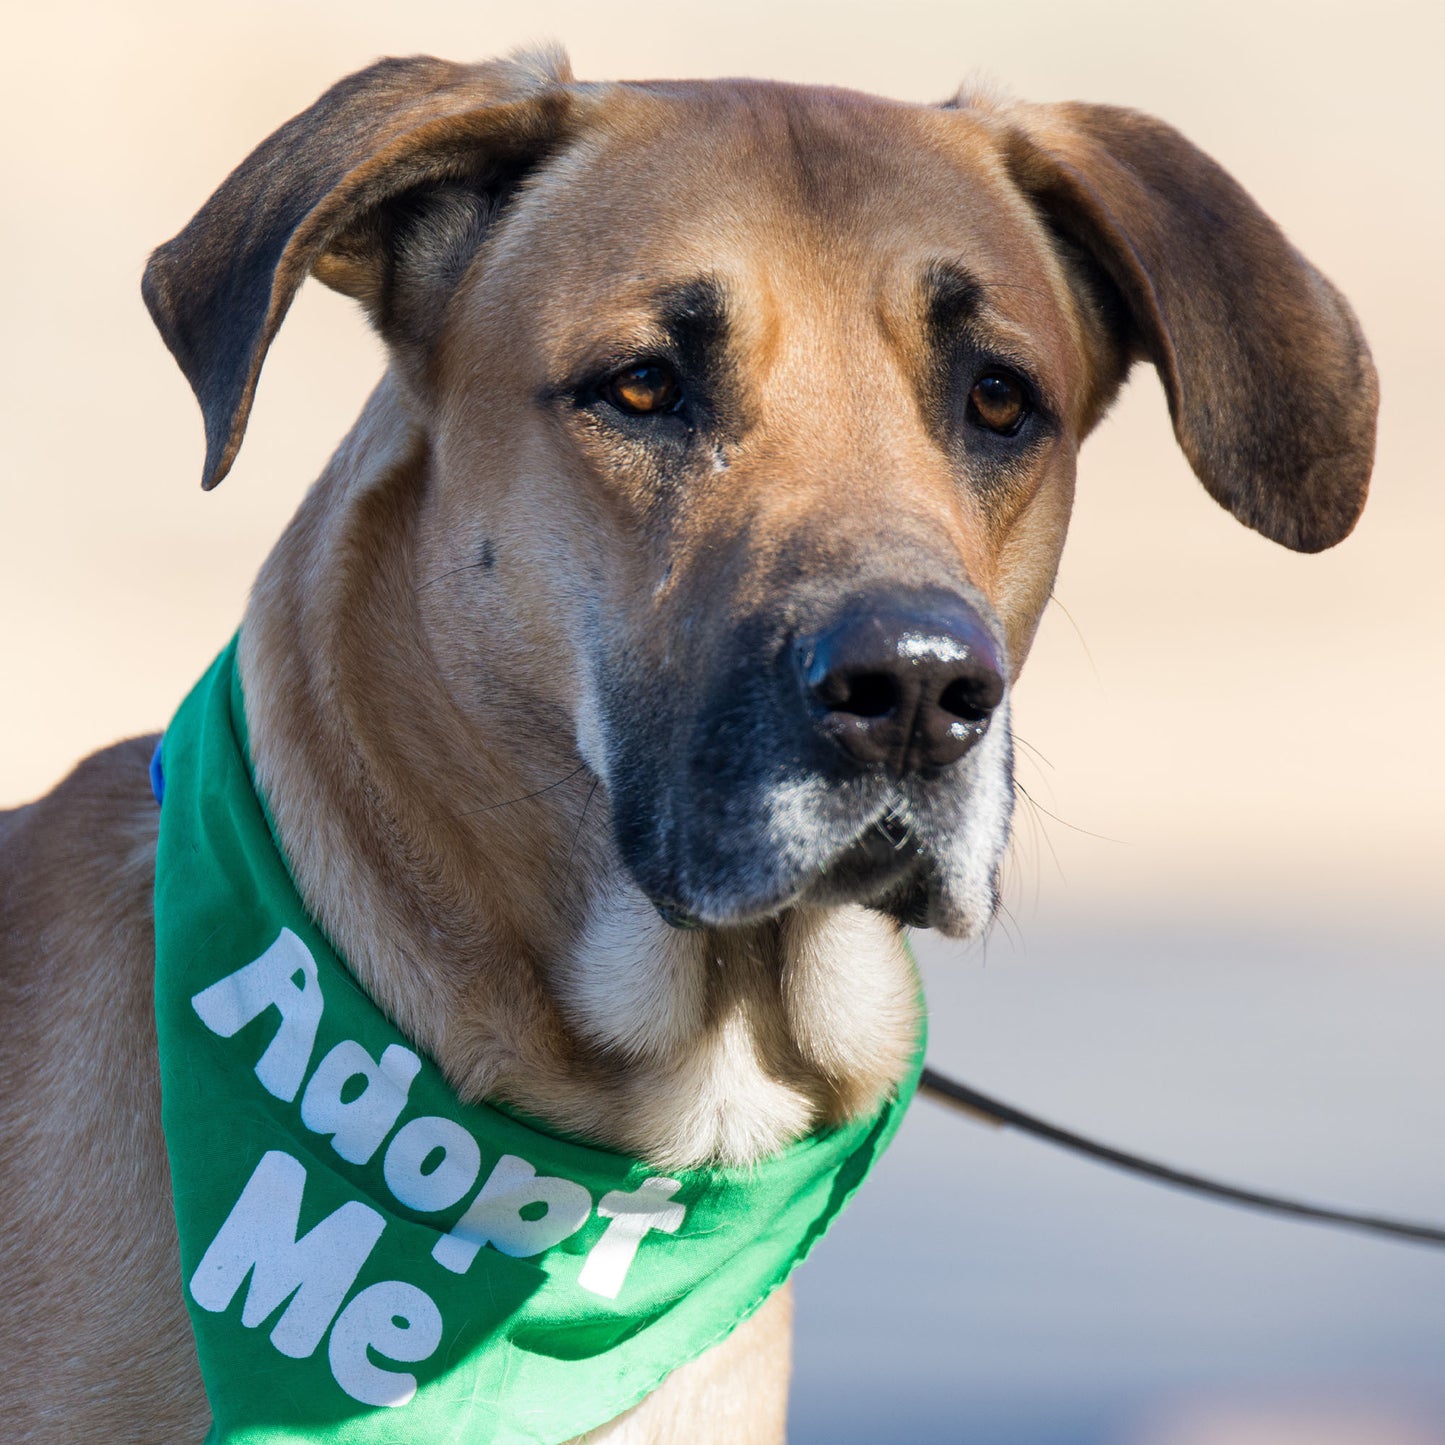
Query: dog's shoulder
(77, 870)
(84, 848)
(83, 1177)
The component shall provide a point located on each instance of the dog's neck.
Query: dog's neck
(470, 881)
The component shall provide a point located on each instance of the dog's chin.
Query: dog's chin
(905, 880)
(887, 869)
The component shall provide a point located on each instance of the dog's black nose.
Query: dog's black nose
(907, 680)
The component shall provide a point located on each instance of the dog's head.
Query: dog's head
(751, 414)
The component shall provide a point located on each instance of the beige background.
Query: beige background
(1243, 728)
(1225, 946)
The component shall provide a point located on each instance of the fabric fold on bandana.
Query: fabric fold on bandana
(365, 1258)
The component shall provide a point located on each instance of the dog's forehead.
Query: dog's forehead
(775, 191)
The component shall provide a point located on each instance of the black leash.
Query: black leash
(995, 1111)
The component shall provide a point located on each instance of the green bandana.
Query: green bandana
(365, 1258)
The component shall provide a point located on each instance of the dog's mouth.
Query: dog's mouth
(887, 868)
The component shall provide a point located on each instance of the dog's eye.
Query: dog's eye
(644, 390)
(998, 402)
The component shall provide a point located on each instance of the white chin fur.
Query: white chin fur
(632, 984)
(738, 1041)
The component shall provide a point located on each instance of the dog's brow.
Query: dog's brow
(951, 296)
(954, 297)
(687, 319)
(694, 314)
(955, 301)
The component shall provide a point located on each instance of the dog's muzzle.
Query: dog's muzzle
(856, 754)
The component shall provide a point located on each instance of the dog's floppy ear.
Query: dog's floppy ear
(383, 188)
(1269, 381)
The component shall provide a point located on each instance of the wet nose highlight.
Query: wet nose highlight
(903, 683)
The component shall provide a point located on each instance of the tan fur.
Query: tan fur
(428, 730)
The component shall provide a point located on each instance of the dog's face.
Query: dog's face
(753, 414)
(757, 520)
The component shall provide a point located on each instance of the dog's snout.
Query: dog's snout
(906, 682)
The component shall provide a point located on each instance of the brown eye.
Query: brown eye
(644, 390)
(998, 402)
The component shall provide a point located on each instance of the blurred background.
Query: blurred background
(1223, 943)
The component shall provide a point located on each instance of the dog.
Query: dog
(639, 668)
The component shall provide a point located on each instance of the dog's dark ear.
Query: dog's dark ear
(383, 188)
(1269, 381)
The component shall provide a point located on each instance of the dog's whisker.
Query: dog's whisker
(1032, 755)
(1013, 286)
(1024, 743)
(511, 802)
(1079, 633)
(571, 852)
(1003, 915)
(452, 572)
(1088, 833)
(1038, 834)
